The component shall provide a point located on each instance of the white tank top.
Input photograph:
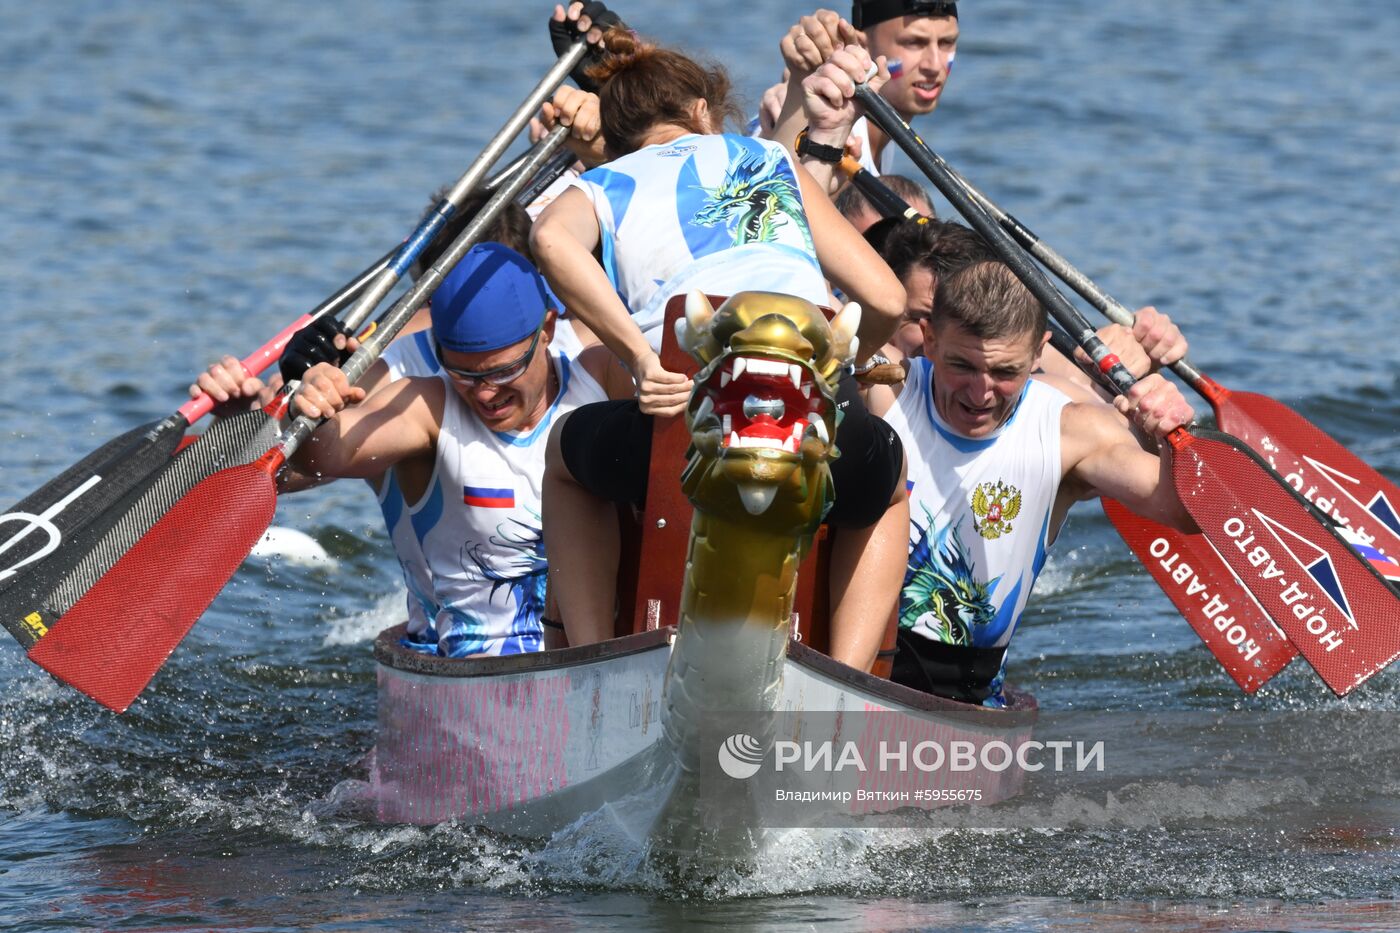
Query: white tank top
(720, 213)
(979, 513)
(479, 524)
(412, 355)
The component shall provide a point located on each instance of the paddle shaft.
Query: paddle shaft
(1111, 308)
(1027, 271)
(879, 194)
(427, 283)
(472, 179)
(263, 357)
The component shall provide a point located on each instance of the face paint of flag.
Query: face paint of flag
(486, 497)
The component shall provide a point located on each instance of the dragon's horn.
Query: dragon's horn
(692, 331)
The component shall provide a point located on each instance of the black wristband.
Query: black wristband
(565, 34)
(832, 155)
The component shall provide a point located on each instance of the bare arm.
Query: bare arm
(395, 424)
(854, 266)
(1101, 457)
(563, 240)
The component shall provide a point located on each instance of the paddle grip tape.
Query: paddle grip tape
(421, 237)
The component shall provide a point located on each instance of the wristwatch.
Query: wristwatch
(822, 153)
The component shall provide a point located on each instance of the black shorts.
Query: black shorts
(607, 448)
(957, 672)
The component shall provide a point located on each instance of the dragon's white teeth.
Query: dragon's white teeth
(806, 390)
(819, 425)
(734, 439)
(728, 424)
(705, 409)
(740, 364)
(799, 428)
(769, 442)
(724, 378)
(757, 497)
(795, 374)
(790, 445)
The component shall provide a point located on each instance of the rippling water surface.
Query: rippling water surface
(183, 179)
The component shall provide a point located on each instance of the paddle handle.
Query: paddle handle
(883, 114)
(879, 194)
(427, 283)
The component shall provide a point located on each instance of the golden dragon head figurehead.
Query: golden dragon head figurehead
(763, 412)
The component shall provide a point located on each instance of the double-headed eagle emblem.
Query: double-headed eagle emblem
(995, 506)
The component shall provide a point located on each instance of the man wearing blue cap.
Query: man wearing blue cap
(466, 447)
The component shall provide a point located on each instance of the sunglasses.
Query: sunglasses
(497, 375)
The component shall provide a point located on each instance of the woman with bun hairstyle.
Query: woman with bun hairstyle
(659, 217)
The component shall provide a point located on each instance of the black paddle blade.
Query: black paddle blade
(52, 591)
(41, 529)
(1209, 596)
(121, 631)
(1329, 601)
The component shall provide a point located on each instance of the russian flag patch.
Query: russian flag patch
(487, 497)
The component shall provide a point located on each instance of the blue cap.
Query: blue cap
(491, 299)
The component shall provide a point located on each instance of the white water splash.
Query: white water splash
(364, 626)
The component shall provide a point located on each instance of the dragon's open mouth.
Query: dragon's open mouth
(764, 402)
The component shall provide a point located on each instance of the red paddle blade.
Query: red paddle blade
(1209, 596)
(114, 639)
(1327, 599)
(1328, 475)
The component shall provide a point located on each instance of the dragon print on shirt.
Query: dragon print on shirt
(523, 577)
(942, 598)
(759, 193)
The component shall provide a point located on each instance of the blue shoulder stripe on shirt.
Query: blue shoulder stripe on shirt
(617, 187)
(424, 341)
(426, 518)
(525, 440)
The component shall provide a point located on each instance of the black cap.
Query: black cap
(869, 12)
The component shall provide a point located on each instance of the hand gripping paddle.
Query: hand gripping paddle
(1328, 475)
(1202, 587)
(50, 530)
(113, 639)
(1331, 603)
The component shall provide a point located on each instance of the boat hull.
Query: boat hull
(528, 744)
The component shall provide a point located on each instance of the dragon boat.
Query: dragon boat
(722, 612)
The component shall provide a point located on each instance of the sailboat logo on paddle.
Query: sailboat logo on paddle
(1313, 559)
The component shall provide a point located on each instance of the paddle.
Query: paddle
(1329, 601)
(1200, 584)
(879, 194)
(82, 498)
(1327, 474)
(1192, 574)
(471, 179)
(120, 632)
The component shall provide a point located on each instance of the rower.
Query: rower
(684, 207)
(921, 36)
(995, 461)
(467, 448)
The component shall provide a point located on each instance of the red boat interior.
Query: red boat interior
(654, 543)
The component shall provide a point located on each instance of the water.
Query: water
(182, 179)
